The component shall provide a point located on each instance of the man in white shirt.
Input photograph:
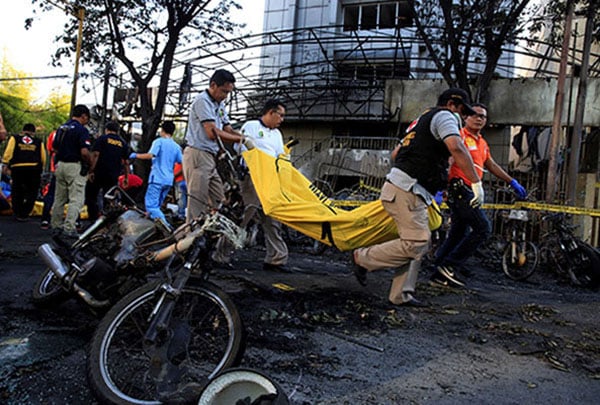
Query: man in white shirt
(265, 135)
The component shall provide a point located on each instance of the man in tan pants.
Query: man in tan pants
(419, 171)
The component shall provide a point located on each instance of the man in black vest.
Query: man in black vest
(71, 143)
(26, 157)
(109, 159)
(419, 171)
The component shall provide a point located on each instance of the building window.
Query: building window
(377, 16)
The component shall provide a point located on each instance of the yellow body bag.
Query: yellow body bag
(289, 197)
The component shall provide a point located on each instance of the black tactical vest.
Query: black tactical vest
(422, 156)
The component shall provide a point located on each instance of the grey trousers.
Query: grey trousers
(277, 251)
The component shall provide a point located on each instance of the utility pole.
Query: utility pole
(579, 109)
(104, 97)
(80, 16)
(558, 108)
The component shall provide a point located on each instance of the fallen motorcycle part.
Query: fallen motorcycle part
(245, 386)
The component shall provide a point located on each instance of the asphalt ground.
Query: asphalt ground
(327, 340)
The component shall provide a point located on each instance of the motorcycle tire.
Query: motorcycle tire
(48, 291)
(585, 266)
(119, 364)
(520, 271)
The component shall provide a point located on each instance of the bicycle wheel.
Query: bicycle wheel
(524, 264)
(585, 266)
(206, 337)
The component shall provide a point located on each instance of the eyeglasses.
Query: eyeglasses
(279, 113)
(482, 116)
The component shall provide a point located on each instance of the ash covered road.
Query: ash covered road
(327, 340)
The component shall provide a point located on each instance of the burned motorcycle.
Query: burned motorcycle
(97, 267)
(163, 342)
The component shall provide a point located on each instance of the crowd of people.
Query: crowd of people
(437, 154)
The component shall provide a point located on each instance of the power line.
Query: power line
(16, 79)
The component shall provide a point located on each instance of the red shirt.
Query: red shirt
(480, 153)
(50, 150)
(178, 169)
(132, 179)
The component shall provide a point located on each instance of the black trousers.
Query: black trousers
(92, 194)
(25, 188)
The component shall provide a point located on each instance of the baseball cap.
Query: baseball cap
(459, 96)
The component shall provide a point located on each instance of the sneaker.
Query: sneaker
(446, 277)
(45, 225)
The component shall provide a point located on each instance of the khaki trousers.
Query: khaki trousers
(204, 185)
(404, 281)
(70, 189)
(410, 215)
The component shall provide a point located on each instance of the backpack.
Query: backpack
(59, 136)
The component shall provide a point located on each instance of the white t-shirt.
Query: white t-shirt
(266, 139)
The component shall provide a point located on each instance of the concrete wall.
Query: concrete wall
(513, 101)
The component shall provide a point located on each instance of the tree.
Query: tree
(18, 105)
(458, 35)
(143, 35)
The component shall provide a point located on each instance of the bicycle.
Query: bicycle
(573, 258)
(521, 256)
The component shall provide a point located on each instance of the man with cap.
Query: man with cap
(420, 163)
(109, 159)
(71, 143)
(469, 226)
(26, 157)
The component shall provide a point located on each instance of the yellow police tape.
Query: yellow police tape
(593, 212)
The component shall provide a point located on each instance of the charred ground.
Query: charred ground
(325, 339)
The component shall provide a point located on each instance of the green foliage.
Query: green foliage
(18, 106)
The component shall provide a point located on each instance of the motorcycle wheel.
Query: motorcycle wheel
(48, 290)
(520, 269)
(119, 366)
(585, 268)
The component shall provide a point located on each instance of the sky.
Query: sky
(30, 50)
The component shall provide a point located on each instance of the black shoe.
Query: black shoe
(412, 302)
(279, 268)
(64, 239)
(359, 272)
(445, 276)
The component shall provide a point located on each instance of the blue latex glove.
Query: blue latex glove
(519, 189)
(439, 197)
(133, 155)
